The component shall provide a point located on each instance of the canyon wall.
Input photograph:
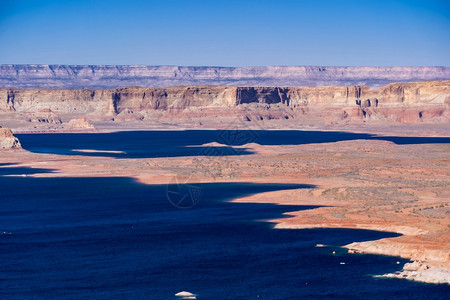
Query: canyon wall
(426, 101)
(108, 77)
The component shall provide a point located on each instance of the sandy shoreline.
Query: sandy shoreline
(430, 257)
(360, 184)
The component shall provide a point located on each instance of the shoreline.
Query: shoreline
(404, 190)
(426, 265)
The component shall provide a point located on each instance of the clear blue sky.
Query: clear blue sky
(226, 33)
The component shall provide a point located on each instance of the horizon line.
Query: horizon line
(232, 67)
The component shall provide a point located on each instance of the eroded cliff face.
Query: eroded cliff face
(108, 77)
(426, 101)
(173, 98)
(8, 140)
(68, 101)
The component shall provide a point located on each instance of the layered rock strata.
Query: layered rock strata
(416, 102)
(112, 76)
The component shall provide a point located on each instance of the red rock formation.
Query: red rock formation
(8, 140)
(426, 101)
(81, 123)
(44, 116)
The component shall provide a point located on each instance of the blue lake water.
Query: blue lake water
(114, 238)
(146, 144)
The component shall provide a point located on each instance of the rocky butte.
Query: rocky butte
(8, 140)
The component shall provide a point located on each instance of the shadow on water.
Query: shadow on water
(7, 164)
(93, 199)
(116, 238)
(22, 170)
(147, 144)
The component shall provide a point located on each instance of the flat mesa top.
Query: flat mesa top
(113, 76)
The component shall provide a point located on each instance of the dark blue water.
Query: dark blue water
(114, 238)
(146, 144)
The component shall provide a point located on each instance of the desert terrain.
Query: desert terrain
(361, 184)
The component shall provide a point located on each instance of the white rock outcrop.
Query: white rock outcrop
(420, 271)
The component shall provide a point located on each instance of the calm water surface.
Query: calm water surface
(114, 238)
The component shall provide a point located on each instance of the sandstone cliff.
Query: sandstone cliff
(107, 77)
(426, 101)
(8, 140)
(81, 123)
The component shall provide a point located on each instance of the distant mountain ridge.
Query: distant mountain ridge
(112, 76)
